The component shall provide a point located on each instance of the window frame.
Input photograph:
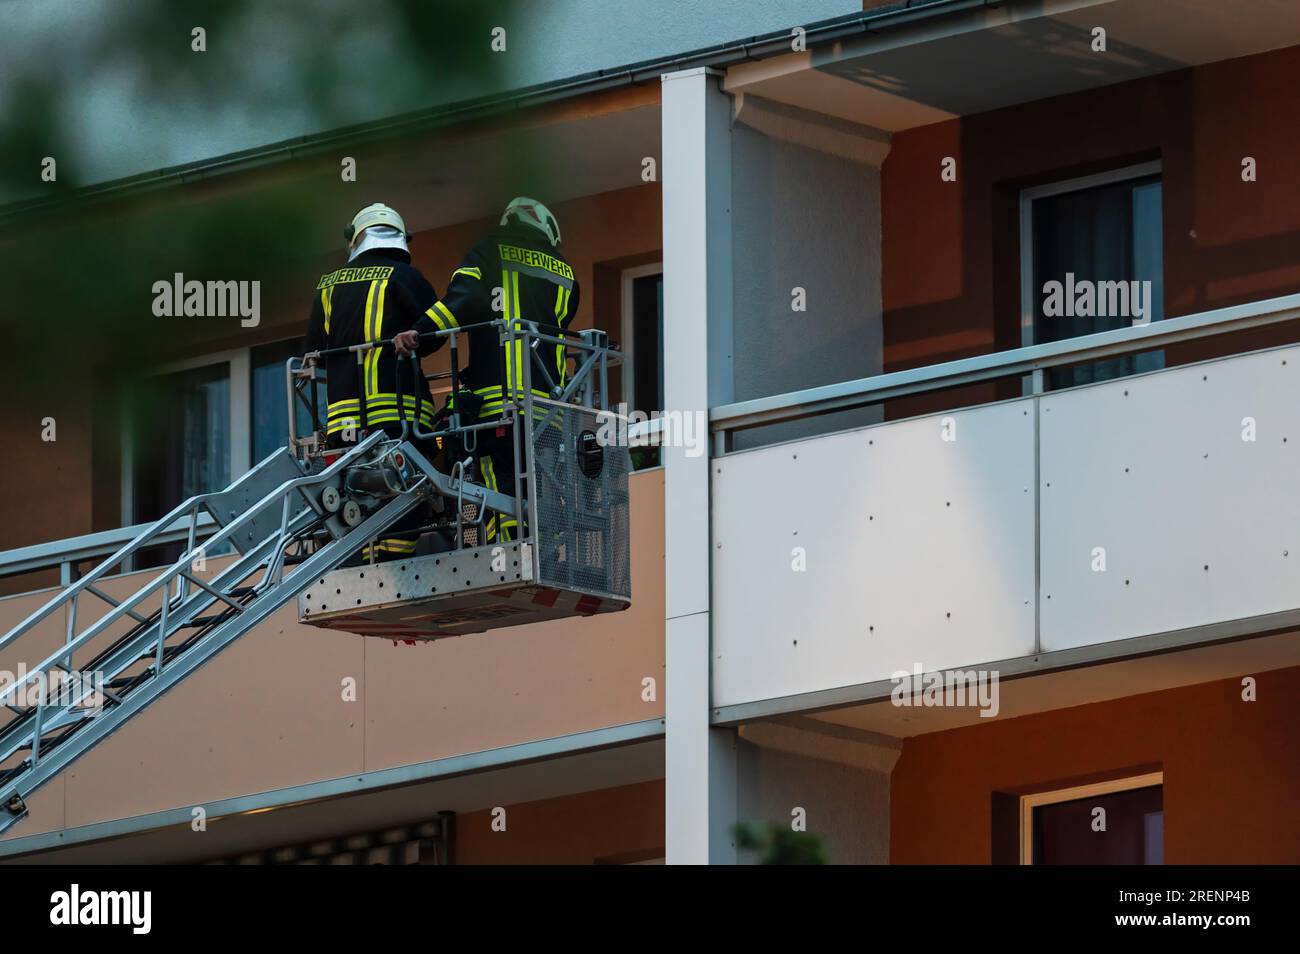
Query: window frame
(253, 460)
(628, 278)
(238, 363)
(1038, 799)
(1033, 383)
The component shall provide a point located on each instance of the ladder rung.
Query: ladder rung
(214, 592)
(204, 621)
(115, 603)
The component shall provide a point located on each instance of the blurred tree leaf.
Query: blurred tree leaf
(778, 844)
(81, 260)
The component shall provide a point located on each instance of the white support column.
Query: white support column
(700, 800)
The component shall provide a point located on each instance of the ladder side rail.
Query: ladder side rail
(111, 720)
(87, 581)
(19, 734)
(177, 568)
(134, 646)
(187, 507)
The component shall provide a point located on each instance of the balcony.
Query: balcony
(1064, 528)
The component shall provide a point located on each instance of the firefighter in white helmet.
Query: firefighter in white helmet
(377, 294)
(522, 258)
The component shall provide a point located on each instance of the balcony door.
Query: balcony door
(1091, 261)
(1120, 822)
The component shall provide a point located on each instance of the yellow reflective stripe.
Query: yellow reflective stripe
(510, 369)
(519, 366)
(371, 412)
(370, 310)
(446, 313)
(561, 309)
(441, 316)
(389, 399)
(390, 545)
(377, 332)
(327, 305)
(490, 481)
(515, 381)
(469, 272)
(367, 327)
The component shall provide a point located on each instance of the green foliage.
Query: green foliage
(779, 845)
(107, 85)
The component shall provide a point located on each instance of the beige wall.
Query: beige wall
(269, 713)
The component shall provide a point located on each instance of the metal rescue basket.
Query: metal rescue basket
(571, 554)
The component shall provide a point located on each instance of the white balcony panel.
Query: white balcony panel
(918, 550)
(1155, 470)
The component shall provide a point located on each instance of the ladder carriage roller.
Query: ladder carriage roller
(293, 526)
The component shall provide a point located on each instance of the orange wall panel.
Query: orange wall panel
(611, 825)
(1231, 770)
(951, 255)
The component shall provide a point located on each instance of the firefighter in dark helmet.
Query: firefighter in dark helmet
(522, 258)
(377, 294)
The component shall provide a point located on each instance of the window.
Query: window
(643, 348)
(270, 402)
(195, 426)
(1092, 261)
(180, 430)
(1109, 823)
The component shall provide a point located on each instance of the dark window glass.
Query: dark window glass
(648, 343)
(181, 438)
(647, 356)
(1106, 234)
(270, 402)
(1064, 832)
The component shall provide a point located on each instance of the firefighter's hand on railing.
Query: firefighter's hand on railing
(406, 342)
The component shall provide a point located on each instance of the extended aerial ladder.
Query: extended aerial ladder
(291, 526)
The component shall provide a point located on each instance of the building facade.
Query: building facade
(975, 332)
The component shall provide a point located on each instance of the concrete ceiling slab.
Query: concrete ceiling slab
(1076, 687)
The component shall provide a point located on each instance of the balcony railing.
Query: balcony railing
(727, 419)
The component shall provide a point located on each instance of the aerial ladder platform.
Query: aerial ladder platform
(295, 527)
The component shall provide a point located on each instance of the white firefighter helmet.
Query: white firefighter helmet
(531, 212)
(371, 215)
